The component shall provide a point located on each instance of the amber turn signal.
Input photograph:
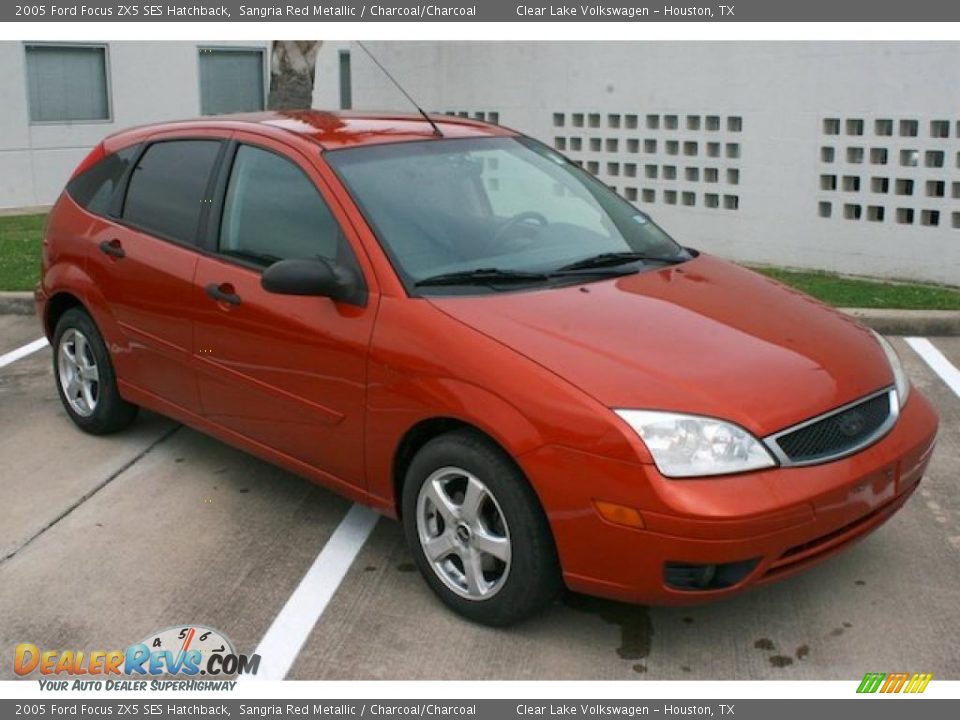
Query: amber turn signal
(619, 514)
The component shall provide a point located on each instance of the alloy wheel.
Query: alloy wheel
(463, 533)
(78, 372)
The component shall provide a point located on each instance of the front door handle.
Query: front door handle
(113, 248)
(223, 292)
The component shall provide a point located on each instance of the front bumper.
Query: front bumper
(785, 519)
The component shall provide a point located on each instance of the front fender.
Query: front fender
(396, 408)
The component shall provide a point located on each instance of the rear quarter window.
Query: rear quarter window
(168, 188)
(95, 188)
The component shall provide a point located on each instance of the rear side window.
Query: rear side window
(94, 188)
(168, 188)
(274, 212)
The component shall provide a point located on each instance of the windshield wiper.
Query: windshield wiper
(483, 276)
(612, 259)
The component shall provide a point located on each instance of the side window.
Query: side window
(94, 188)
(273, 212)
(168, 188)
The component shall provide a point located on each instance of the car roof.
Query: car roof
(331, 130)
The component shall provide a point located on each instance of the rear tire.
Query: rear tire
(85, 379)
(477, 531)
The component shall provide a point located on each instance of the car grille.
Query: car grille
(838, 433)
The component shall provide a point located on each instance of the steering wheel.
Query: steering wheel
(516, 221)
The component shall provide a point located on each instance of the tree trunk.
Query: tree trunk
(291, 74)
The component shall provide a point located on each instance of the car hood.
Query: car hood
(705, 337)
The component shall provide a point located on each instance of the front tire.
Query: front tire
(85, 378)
(477, 531)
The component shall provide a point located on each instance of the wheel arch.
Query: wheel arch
(56, 307)
(418, 436)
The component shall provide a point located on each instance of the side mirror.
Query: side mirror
(320, 277)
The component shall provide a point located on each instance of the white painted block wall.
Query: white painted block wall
(782, 94)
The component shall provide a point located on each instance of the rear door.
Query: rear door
(288, 372)
(145, 268)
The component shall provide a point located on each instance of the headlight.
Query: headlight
(693, 446)
(900, 379)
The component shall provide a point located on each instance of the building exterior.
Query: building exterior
(57, 100)
(843, 156)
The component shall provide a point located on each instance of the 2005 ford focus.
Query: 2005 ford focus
(456, 325)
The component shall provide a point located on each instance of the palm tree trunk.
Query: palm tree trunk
(291, 73)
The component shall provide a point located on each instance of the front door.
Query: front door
(288, 372)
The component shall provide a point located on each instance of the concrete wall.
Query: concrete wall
(148, 82)
(756, 189)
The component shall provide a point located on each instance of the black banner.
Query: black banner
(877, 709)
(485, 10)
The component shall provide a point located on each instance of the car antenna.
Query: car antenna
(436, 130)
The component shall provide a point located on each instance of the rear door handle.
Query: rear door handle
(222, 293)
(113, 248)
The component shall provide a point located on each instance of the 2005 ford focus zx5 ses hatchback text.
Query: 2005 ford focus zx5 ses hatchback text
(456, 325)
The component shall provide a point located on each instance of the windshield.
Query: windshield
(500, 206)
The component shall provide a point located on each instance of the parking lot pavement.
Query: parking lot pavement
(108, 539)
(17, 330)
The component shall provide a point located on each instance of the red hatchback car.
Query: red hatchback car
(461, 328)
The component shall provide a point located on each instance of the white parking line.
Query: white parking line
(937, 362)
(282, 642)
(22, 352)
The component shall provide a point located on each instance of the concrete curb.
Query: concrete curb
(16, 303)
(908, 322)
(888, 322)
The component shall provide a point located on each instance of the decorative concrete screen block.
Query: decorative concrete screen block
(492, 116)
(939, 128)
(908, 128)
(904, 186)
(921, 155)
(673, 154)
